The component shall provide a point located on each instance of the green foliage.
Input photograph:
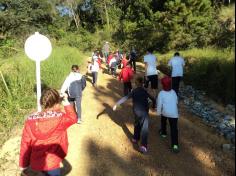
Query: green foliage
(225, 32)
(19, 74)
(22, 17)
(209, 70)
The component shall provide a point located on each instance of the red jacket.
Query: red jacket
(124, 62)
(44, 142)
(109, 58)
(126, 74)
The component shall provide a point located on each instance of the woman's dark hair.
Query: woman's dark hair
(74, 67)
(176, 54)
(139, 81)
(49, 98)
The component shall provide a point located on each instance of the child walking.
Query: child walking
(140, 108)
(167, 107)
(126, 75)
(44, 142)
(94, 69)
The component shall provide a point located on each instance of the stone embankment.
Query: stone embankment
(222, 119)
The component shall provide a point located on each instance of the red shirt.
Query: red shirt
(126, 74)
(109, 58)
(44, 142)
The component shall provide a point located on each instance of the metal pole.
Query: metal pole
(38, 84)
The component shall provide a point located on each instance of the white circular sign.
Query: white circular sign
(38, 47)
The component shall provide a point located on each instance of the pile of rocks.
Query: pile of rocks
(222, 120)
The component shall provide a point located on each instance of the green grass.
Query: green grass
(19, 74)
(210, 70)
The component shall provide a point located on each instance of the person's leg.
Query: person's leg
(137, 129)
(154, 85)
(126, 89)
(134, 65)
(144, 132)
(175, 84)
(146, 81)
(93, 76)
(163, 125)
(174, 131)
(54, 172)
(129, 87)
(78, 106)
(72, 102)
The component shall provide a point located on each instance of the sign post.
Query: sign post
(38, 48)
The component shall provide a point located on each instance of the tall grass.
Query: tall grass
(210, 70)
(19, 74)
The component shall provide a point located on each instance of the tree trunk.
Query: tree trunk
(107, 15)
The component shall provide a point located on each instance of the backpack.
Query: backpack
(76, 87)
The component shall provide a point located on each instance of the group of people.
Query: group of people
(166, 102)
(44, 141)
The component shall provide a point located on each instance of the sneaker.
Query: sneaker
(143, 149)
(162, 135)
(134, 141)
(175, 148)
(79, 121)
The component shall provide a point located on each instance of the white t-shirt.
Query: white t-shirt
(177, 63)
(151, 61)
(95, 67)
(73, 76)
(95, 58)
(167, 104)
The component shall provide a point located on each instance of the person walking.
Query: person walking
(140, 108)
(94, 70)
(133, 58)
(167, 102)
(44, 142)
(74, 84)
(106, 50)
(177, 66)
(126, 75)
(151, 74)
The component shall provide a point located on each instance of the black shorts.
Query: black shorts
(154, 81)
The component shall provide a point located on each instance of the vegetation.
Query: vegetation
(19, 74)
(210, 70)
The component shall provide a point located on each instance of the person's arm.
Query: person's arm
(121, 101)
(25, 148)
(152, 99)
(70, 116)
(120, 75)
(159, 104)
(65, 85)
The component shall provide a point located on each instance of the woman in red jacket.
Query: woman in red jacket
(44, 142)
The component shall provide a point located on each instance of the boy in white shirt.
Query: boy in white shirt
(150, 61)
(167, 107)
(94, 70)
(176, 63)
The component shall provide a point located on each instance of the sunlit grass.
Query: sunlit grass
(19, 74)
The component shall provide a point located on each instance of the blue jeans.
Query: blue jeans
(141, 127)
(76, 101)
(54, 172)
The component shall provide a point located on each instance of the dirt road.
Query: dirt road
(101, 146)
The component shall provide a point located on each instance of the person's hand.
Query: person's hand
(23, 168)
(114, 107)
